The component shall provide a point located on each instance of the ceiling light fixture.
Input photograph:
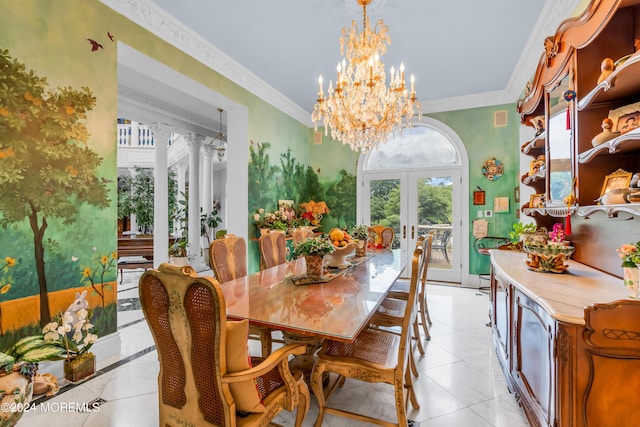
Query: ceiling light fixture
(221, 137)
(362, 111)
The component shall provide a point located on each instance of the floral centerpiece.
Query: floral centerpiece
(71, 332)
(312, 211)
(630, 255)
(276, 220)
(313, 249)
(361, 234)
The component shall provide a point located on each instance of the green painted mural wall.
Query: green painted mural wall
(51, 38)
(484, 141)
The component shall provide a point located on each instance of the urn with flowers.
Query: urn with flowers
(313, 249)
(630, 255)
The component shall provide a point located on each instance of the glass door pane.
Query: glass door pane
(432, 209)
(384, 205)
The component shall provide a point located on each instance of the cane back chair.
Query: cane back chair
(273, 249)
(385, 235)
(228, 259)
(374, 356)
(197, 384)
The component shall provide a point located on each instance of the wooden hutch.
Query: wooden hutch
(569, 344)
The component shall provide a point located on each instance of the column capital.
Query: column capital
(161, 132)
(207, 151)
(194, 140)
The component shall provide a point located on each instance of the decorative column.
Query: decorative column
(161, 135)
(133, 224)
(207, 177)
(195, 142)
(181, 177)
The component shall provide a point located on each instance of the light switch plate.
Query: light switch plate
(488, 213)
(479, 214)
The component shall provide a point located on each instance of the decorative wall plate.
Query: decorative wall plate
(492, 169)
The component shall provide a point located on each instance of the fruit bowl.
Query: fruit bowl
(548, 258)
(336, 258)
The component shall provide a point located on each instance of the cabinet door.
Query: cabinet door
(533, 364)
(501, 292)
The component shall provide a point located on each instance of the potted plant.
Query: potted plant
(313, 250)
(522, 233)
(361, 234)
(178, 251)
(209, 222)
(71, 333)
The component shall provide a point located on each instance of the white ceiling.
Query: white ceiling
(464, 54)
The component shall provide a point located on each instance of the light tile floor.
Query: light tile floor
(460, 382)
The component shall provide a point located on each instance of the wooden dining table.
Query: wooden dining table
(338, 309)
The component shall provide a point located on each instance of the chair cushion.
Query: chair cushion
(245, 394)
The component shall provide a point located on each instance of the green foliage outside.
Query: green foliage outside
(48, 174)
(434, 201)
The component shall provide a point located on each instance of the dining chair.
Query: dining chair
(228, 258)
(273, 249)
(385, 235)
(205, 376)
(390, 314)
(441, 241)
(374, 356)
(300, 235)
(400, 289)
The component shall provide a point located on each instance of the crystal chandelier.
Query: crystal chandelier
(220, 149)
(361, 110)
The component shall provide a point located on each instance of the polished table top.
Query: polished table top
(338, 309)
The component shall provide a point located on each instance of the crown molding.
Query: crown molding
(166, 27)
(552, 15)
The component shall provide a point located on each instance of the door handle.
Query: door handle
(413, 231)
(404, 231)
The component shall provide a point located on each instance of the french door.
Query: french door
(415, 203)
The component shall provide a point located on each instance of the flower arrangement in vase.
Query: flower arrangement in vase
(276, 220)
(313, 211)
(313, 249)
(630, 255)
(361, 234)
(71, 332)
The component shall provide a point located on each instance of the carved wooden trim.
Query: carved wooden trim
(573, 33)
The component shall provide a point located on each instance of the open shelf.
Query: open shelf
(621, 84)
(622, 144)
(530, 179)
(612, 211)
(534, 144)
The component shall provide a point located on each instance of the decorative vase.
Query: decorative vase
(337, 257)
(631, 276)
(79, 368)
(361, 249)
(314, 265)
(17, 391)
(548, 258)
(180, 261)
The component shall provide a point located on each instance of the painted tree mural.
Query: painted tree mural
(46, 168)
(292, 180)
